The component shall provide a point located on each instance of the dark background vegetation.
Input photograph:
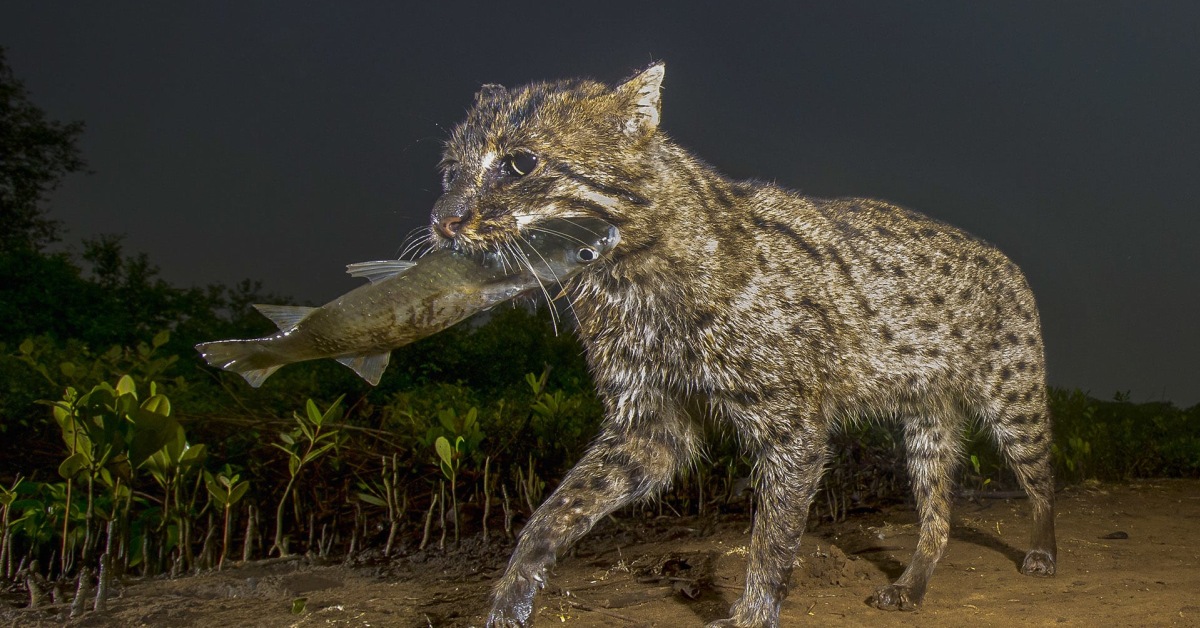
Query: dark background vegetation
(233, 139)
(121, 453)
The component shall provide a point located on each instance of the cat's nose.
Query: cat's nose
(449, 226)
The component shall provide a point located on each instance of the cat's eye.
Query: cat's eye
(519, 164)
(449, 173)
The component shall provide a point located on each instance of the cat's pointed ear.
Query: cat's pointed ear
(641, 97)
(488, 92)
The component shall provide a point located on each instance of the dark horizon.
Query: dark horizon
(233, 141)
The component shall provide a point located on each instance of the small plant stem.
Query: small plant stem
(454, 505)
(206, 549)
(249, 540)
(487, 498)
(389, 489)
(428, 521)
(442, 514)
(225, 537)
(106, 564)
(278, 544)
(62, 557)
(101, 602)
(508, 514)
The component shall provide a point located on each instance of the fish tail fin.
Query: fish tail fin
(244, 357)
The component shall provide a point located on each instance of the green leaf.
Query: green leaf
(67, 368)
(331, 434)
(75, 436)
(192, 456)
(442, 446)
(238, 492)
(294, 465)
(27, 346)
(304, 426)
(62, 413)
(287, 438)
(333, 411)
(373, 500)
(153, 432)
(215, 491)
(126, 386)
(316, 453)
(73, 465)
(157, 465)
(449, 420)
(314, 415)
(161, 338)
(158, 404)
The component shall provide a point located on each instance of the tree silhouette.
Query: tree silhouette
(35, 154)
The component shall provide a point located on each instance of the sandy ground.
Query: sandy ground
(1129, 555)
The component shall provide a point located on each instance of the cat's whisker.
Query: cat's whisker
(541, 284)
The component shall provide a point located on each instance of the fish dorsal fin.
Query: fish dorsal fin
(368, 367)
(379, 270)
(284, 316)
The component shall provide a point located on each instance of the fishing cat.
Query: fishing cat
(786, 315)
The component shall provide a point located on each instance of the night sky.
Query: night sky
(281, 142)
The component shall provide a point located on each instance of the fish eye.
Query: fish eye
(519, 164)
(586, 255)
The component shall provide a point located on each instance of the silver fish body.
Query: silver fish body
(409, 300)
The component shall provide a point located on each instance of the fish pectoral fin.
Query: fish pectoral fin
(257, 376)
(379, 270)
(284, 316)
(368, 367)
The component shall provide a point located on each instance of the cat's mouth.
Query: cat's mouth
(488, 234)
(484, 237)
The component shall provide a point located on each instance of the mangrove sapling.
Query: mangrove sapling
(171, 467)
(385, 494)
(108, 433)
(315, 443)
(449, 460)
(531, 486)
(225, 489)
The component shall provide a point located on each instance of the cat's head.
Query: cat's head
(564, 149)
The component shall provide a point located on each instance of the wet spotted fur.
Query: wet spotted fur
(784, 315)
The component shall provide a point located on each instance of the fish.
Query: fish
(407, 300)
